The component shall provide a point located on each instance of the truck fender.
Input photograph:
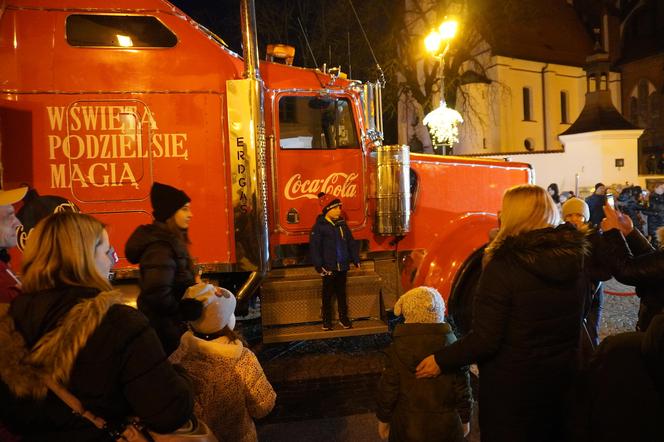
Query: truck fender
(450, 253)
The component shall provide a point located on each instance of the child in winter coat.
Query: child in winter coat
(229, 384)
(333, 249)
(411, 409)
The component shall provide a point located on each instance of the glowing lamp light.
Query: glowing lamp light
(443, 124)
(432, 42)
(448, 29)
(124, 40)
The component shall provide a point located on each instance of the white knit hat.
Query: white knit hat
(578, 206)
(218, 308)
(421, 305)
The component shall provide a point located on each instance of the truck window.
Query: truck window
(118, 31)
(316, 123)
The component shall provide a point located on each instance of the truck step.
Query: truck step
(293, 295)
(300, 332)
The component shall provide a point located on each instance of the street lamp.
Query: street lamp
(442, 121)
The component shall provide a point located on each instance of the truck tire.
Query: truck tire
(460, 304)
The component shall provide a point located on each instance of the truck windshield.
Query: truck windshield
(316, 123)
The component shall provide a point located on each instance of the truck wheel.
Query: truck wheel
(460, 304)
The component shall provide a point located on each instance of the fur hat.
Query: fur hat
(166, 200)
(328, 202)
(13, 196)
(421, 305)
(576, 205)
(218, 309)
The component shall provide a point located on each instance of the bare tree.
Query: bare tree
(327, 31)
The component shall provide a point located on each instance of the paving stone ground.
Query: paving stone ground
(326, 389)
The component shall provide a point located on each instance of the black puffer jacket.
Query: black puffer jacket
(107, 351)
(422, 409)
(166, 273)
(644, 269)
(526, 323)
(624, 396)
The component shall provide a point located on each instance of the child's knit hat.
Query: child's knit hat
(578, 206)
(218, 309)
(328, 202)
(421, 305)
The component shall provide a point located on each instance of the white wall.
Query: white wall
(590, 155)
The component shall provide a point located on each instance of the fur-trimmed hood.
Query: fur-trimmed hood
(552, 254)
(23, 368)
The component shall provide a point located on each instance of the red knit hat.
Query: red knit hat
(328, 202)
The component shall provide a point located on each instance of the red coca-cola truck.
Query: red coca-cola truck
(100, 100)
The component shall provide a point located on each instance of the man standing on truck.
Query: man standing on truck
(10, 286)
(332, 249)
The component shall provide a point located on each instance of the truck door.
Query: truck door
(317, 149)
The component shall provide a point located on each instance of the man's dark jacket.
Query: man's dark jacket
(623, 394)
(637, 263)
(595, 205)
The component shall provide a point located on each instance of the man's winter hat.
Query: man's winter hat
(576, 205)
(218, 309)
(421, 305)
(328, 202)
(13, 196)
(166, 200)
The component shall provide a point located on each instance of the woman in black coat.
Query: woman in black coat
(166, 268)
(69, 327)
(526, 322)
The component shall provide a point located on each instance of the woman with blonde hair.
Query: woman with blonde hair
(526, 322)
(69, 328)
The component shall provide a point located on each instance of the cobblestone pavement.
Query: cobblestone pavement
(619, 311)
(326, 389)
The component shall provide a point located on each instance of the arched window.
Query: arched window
(527, 104)
(564, 115)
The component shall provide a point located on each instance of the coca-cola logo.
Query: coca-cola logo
(339, 184)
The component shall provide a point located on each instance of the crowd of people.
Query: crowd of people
(534, 333)
(77, 363)
(645, 208)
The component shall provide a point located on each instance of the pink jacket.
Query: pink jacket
(230, 386)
